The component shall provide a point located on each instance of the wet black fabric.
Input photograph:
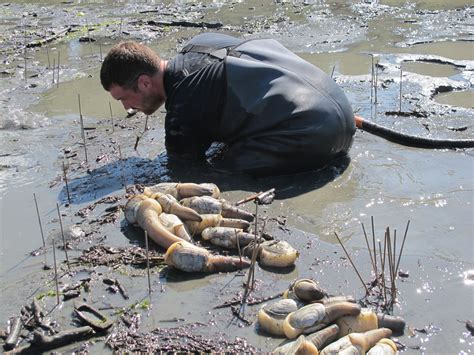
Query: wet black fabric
(275, 112)
(195, 85)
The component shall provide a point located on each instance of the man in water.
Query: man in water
(272, 112)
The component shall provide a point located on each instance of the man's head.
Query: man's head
(133, 74)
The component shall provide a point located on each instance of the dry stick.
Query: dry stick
(47, 50)
(120, 28)
(146, 123)
(375, 248)
(393, 259)
(375, 82)
(89, 37)
(238, 246)
(54, 68)
(55, 273)
(348, 257)
(388, 242)
(383, 273)
(368, 248)
(41, 227)
(254, 258)
(147, 263)
(372, 79)
(57, 78)
(111, 117)
(67, 186)
(332, 71)
(24, 55)
(62, 235)
(401, 249)
(82, 126)
(124, 182)
(400, 104)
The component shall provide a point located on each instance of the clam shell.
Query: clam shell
(277, 254)
(308, 290)
(203, 204)
(272, 315)
(187, 257)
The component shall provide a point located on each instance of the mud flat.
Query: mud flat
(428, 43)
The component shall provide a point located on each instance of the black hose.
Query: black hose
(412, 141)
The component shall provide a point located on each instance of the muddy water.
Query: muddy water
(433, 189)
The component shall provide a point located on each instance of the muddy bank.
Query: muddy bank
(40, 130)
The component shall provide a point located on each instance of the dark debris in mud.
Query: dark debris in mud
(109, 256)
(179, 339)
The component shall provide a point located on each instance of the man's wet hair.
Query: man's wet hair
(125, 62)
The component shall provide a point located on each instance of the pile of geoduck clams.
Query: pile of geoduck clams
(316, 323)
(172, 214)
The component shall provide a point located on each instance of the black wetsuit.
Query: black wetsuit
(275, 112)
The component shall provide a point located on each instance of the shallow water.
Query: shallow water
(433, 189)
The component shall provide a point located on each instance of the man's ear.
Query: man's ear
(144, 82)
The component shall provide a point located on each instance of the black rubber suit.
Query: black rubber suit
(275, 112)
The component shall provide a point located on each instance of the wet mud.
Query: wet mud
(404, 65)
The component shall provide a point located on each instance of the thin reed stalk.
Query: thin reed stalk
(82, 127)
(147, 263)
(64, 239)
(56, 273)
(352, 263)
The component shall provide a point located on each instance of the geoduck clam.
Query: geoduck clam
(316, 316)
(215, 220)
(367, 319)
(227, 237)
(310, 344)
(144, 212)
(170, 205)
(210, 205)
(175, 226)
(272, 315)
(274, 253)
(183, 190)
(191, 258)
(306, 290)
(357, 343)
(384, 346)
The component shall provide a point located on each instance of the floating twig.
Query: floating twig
(62, 235)
(82, 126)
(100, 52)
(349, 257)
(332, 71)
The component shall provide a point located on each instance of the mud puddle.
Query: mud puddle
(433, 189)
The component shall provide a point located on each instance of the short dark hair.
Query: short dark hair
(125, 62)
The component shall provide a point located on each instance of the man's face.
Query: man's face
(144, 99)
